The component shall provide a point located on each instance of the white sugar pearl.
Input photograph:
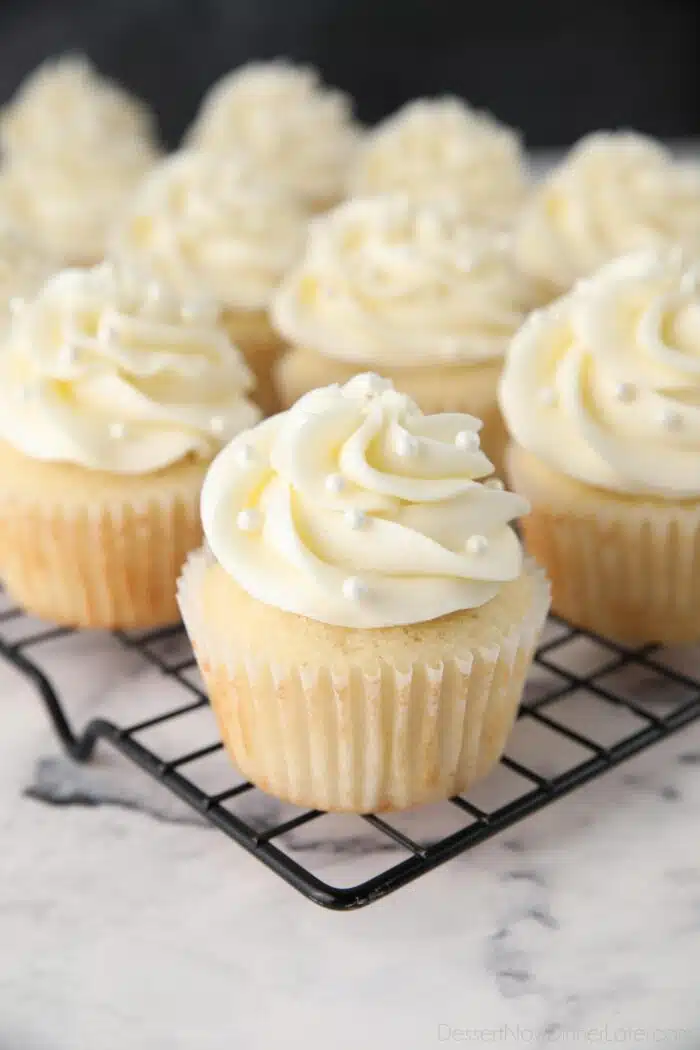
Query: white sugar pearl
(670, 420)
(249, 520)
(464, 262)
(198, 310)
(547, 396)
(625, 392)
(154, 292)
(245, 455)
(467, 440)
(355, 519)
(354, 589)
(477, 544)
(117, 431)
(217, 424)
(406, 445)
(689, 282)
(66, 355)
(334, 483)
(494, 483)
(369, 383)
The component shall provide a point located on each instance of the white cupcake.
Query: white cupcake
(75, 146)
(615, 192)
(289, 125)
(442, 149)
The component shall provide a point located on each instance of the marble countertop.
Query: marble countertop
(125, 921)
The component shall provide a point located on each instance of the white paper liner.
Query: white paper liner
(358, 741)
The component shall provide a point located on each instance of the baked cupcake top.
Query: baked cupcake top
(23, 269)
(616, 192)
(353, 508)
(75, 147)
(211, 225)
(604, 384)
(441, 148)
(385, 281)
(109, 373)
(285, 122)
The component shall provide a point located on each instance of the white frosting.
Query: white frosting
(443, 149)
(65, 104)
(354, 508)
(106, 372)
(211, 225)
(389, 282)
(615, 193)
(604, 385)
(75, 145)
(23, 269)
(285, 121)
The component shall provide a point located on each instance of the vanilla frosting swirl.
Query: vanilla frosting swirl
(354, 508)
(108, 373)
(209, 224)
(66, 105)
(284, 121)
(388, 282)
(23, 269)
(441, 148)
(615, 193)
(76, 145)
(604, 385)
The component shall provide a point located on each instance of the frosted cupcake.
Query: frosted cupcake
(286, 123)
(601, 392)
(615, 193)
(363, 617)
(442, 149)
(114, 396)
(410, 291)
(23, 269)
(210, 226)
(75, 146)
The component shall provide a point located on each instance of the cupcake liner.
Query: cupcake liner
(106, 565)
(627, 569)
(361, 740)
(437, 388)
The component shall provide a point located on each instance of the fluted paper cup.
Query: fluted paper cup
(361, 721)
(624, 567)
(88, 549)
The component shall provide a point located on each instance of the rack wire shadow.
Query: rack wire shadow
(646, 694)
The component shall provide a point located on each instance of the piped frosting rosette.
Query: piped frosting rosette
(604, 385)
(110, 373)
(353, 508)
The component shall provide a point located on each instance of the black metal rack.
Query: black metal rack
(644, 694)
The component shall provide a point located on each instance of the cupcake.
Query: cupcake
(23, 269)
(75, 145)
(286, 123)
(601, 392)
(208, 225)
(114, 397)
(615, 193)
(411, 291)
(442, 149)
(362, 614)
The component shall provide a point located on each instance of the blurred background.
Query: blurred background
(555, 68)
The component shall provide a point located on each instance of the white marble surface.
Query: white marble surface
(125, 922)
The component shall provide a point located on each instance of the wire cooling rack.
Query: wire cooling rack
(588, 706)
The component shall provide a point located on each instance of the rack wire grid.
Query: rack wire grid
(602, 703)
